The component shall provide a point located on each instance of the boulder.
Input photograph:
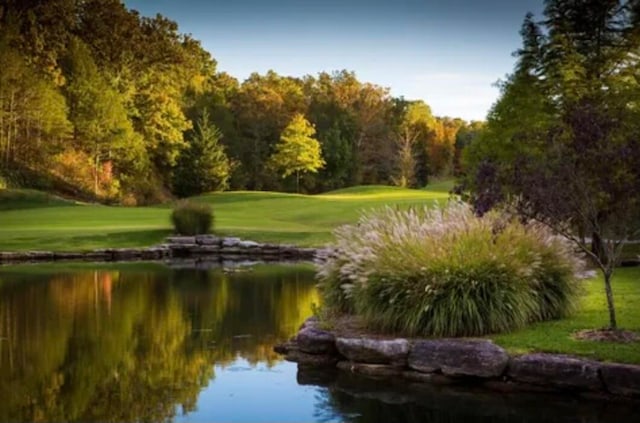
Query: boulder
(459, 357)
(374, 351)
(312, 340)
(621, 379)
(312, 321)
(557, 370)
(284, 347)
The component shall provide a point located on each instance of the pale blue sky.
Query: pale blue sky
(448, 53)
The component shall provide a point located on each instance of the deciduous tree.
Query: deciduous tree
(297, 150)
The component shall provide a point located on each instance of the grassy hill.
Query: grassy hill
(31, 220)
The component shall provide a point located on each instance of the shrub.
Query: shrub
(446, 272)
(192, 218)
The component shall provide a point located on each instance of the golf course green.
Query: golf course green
(31, 220)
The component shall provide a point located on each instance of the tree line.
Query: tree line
(101, 102)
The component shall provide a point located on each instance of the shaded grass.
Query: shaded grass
(261, 216)
(556, 336)
(14, 199)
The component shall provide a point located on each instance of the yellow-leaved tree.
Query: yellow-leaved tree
(297, 150)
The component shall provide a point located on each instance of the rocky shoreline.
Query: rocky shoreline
(450, 360)
(176, 247)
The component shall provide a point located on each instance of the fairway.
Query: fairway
(31, 221)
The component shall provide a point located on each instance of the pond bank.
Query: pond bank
(200, 246)
(443, 361)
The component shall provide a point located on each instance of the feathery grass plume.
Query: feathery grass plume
(192, 218)
(446, 272)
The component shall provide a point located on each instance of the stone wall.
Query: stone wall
(433, 360)
(177, 247)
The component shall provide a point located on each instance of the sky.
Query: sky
(448, 53)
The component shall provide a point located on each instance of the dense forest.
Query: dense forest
(99, 102)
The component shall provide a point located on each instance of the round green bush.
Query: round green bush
(446, 272)
(192, 218)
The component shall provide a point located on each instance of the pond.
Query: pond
(154, 342)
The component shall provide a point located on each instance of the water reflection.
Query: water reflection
(136, 343)
(352, 398)
(142, 342)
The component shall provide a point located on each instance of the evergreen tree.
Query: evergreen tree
(203, 166)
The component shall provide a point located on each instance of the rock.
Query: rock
(248, 244)
(459, 357)
(40, 255)
(284, 347)
(556, 370)
(10, 256)
(100, 255)
(374, 351)
(125, 253)
(204, 249)
(191, 240)
(379, 370)
(230, 242)
(313, 360)
(621, 379)
(207, 240)
(307, 253)
(312, 321)
(154, 253)
(67, 256)
(312, 340)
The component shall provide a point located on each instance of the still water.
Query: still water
(150, 342)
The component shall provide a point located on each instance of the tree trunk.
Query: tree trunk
(610, 305)
(297, 182)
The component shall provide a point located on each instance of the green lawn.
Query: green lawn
(34, 221)
(556, 336)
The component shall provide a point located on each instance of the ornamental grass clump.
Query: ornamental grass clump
(446, 272)
(192, 218)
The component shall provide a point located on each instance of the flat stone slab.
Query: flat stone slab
(621, 379)
(312, 340)
(557, 370)
(374, 351)
(459, 357)
(190, 240)
(208, 240)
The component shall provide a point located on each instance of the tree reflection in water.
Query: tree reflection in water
(135, 342)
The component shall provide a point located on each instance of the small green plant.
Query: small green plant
(192, 218)
(446, 272)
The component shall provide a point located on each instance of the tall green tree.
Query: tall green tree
(101, 127)
(203, 166)
(562, 142)
(297, 150)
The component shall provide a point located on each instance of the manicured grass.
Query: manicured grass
(556, 336)
(15, 199)
(261, 216)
